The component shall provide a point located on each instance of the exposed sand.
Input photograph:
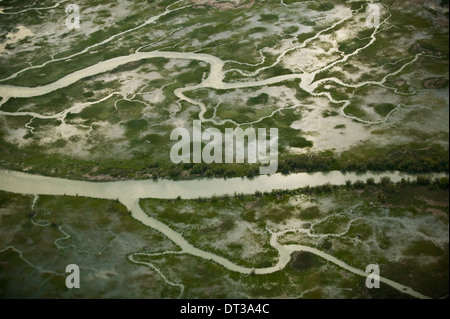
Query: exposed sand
(14, 37)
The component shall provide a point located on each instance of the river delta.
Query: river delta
(86, 177)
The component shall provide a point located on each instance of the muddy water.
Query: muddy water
(132, 190)
(129, 192)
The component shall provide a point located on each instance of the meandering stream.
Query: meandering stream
(129, 193)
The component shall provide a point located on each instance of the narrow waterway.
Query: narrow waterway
(129, 193)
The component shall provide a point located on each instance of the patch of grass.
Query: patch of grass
(303, 261)
(321, 6)
(384, 109)
(269, 18)
(356, 111)
(301, 142)
(310, 213)
(422, 247)
(263, 98)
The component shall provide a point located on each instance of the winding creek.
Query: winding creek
(129, 193)
(214, 80)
